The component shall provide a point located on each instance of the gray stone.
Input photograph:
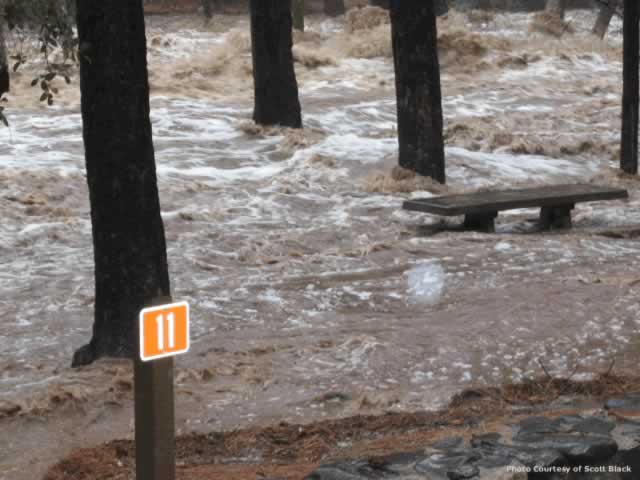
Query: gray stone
(593, 425)
(332, 473)
(537, 425)
(464, 472)
(448, 443)
(628, 402)
(501, 474)
(485, 439)
(440, 465)
(577, 448)
(526, 455)
(495, 461)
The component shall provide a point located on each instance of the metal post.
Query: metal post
(154, 416)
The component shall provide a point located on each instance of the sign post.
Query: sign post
(163, 332)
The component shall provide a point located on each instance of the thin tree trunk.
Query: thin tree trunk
(604, 18)
(4, 66)
(415, 51)
(207, 9)
(275, 87)
(631, 87)
(128, 233)
(556, 7)
(334, 8)
(298, 14)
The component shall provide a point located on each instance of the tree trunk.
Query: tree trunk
(4, 66)
(298, 14)
(207, 9)
(604, 18)
(128, 233)
(631, 87)
(275, 87)
(556, 7)
(380, 3)
(334, 8)
(415, 51)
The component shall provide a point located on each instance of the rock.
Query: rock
(464, 472)
(501, 474)
(523, 454)
(448, 443)
(629, 404)
(593, 425)
(332, 473)
(577, 448)
(537, 425)
(487, 438)
(441, 465)
(565, 441)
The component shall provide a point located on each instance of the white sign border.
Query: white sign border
(141, 331)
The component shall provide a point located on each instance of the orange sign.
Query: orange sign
(164, 331)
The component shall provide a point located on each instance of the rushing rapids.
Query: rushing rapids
(291, 247)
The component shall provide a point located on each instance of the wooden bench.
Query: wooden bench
(481, 209)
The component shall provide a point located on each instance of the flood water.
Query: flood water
(312, 293)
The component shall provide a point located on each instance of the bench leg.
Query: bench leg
(552, 218)
(481, 222)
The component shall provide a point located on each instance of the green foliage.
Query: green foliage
(53, 27)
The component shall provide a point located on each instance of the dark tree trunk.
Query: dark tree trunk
(607, 10)
(334, 8)
(380, 3)
(415, 51)
(629, 147)
(128, 234)
(4, 67)
(207, 9)
(276, 89)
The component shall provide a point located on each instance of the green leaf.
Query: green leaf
(50, 76)
(67, 79)
(4, 120)
(16, 66)
(44, 85)
(34, 82)
(44, 96)
(50, 100)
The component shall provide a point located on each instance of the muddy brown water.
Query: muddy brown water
(292, 249)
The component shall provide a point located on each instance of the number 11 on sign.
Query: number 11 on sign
(164, 331)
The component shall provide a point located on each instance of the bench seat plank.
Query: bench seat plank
(487, 202)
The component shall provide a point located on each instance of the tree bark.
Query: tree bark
(128, 233)
(334, 8)
(604, 18)
(4, 66)
(419, 98)
(207, 9)
(380, 3)
(556, 7)
(275, 87)
(631, 87)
